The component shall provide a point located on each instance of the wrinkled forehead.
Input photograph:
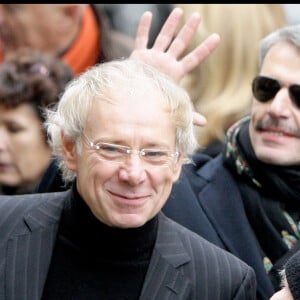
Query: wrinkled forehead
(131, 120)
(138, 93)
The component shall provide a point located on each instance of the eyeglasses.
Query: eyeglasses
(265, 88)
(119, 153)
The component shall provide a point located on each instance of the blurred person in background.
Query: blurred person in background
(80, 34)
(29, 82)
(219, 87)
(125, 17)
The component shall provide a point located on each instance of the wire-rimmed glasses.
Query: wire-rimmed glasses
(119, 153)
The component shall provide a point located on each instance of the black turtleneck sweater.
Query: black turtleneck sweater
(94, 261)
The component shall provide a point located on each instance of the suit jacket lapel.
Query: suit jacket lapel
(222, 203)
(227, 214)
(36, 235)
(164, 279)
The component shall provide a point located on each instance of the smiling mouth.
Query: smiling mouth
(127, 197)
(4, 167)
(122, 200)
(276, 133)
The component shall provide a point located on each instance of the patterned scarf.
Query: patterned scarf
(271, 196)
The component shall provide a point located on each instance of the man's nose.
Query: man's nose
(281, 104)
(4, 138)
(133, 169)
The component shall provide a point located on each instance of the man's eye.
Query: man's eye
(110, 149)
(14, 128)
(155, 153)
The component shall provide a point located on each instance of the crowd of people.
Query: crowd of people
(102, 170)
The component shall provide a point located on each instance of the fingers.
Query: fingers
(167, 48)
(166, 34)
(185, 35)
(194, 58)
(198, 119)
(142, 35)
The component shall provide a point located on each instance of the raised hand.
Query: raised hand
(169, 46)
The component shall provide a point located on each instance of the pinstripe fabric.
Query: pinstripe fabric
(208, 201)
(27, 229)
(183, 265)
(188, 267)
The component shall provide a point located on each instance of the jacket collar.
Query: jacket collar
(37, 235)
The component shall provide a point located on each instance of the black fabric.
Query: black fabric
(52, 180)
(274, 273)
(270, 194)
(214, 149)
(12, 190)
(94, 261)
(292, 271)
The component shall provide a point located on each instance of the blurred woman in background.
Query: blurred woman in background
(29, 82)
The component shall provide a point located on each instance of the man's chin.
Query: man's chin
(131, 222)
(275, 157)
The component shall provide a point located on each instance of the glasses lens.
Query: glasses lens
(159, 157)
(265, 88)
(112, 151)
(294, 91)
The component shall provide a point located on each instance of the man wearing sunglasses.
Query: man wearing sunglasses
(250, 193)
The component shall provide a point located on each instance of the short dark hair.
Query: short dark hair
(29, 76)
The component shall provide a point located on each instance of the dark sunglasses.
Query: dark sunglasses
(265, 89)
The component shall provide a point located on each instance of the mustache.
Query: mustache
(269, 123)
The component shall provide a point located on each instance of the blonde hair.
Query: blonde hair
(220, 87)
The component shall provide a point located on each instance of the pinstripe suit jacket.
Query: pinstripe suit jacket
(182, 266)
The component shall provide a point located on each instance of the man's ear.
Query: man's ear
(177, 167)
(69, 152)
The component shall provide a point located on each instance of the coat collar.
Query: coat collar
(220, 198)
(164, 279)
(30, 247)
